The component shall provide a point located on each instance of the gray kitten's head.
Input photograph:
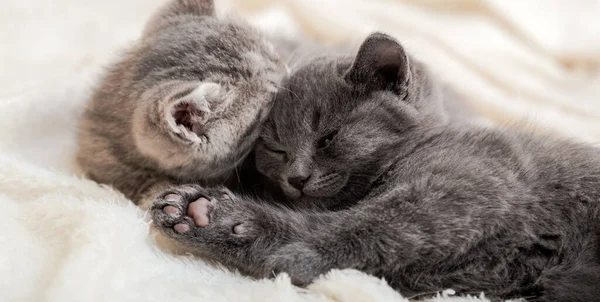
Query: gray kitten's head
(214, 77)
(339, 123)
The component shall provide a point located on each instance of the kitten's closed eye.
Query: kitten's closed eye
(326, 140)
(274, 150)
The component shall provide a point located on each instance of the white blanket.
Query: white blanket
(63, 238)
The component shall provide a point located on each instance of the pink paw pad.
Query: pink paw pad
(181, 228)
(171, 210)
(198, 210)
(239, 229)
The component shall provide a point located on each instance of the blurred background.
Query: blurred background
(512, 59)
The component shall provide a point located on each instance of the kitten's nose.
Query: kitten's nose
(298, 181)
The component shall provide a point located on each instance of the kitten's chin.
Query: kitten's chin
(305, 201)
(291, 193)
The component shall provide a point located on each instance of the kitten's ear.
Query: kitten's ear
(381, 64)
(192, 111)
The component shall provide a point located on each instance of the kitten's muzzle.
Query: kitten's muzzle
(326, 185)
(298, 182)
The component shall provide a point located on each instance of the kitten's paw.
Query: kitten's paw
(191, 211)
(170, 209)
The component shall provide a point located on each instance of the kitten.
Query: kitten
(425, 202)
(184, 104)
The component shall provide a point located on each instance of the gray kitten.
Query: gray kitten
(406, 194)
(184, 104)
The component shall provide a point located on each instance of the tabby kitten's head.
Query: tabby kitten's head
(215, 78)
(341, 122)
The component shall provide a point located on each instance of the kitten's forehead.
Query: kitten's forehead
(317, 99)
(314, 97)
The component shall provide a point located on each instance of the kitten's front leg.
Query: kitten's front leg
(256, 238)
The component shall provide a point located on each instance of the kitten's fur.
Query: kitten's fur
(184, 104)
(425, 203)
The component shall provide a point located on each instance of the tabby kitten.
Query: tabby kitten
(406, 194)
(184, 104)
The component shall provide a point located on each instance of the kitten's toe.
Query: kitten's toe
(168, 210)
(181, 228)
(172, 211)
(240, 228)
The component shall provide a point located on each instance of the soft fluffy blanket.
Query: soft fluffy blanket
(63, 238)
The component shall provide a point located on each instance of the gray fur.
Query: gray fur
(404, 193)
(183, 104)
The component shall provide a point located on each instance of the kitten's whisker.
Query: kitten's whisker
(237, 173)
(288, 90)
